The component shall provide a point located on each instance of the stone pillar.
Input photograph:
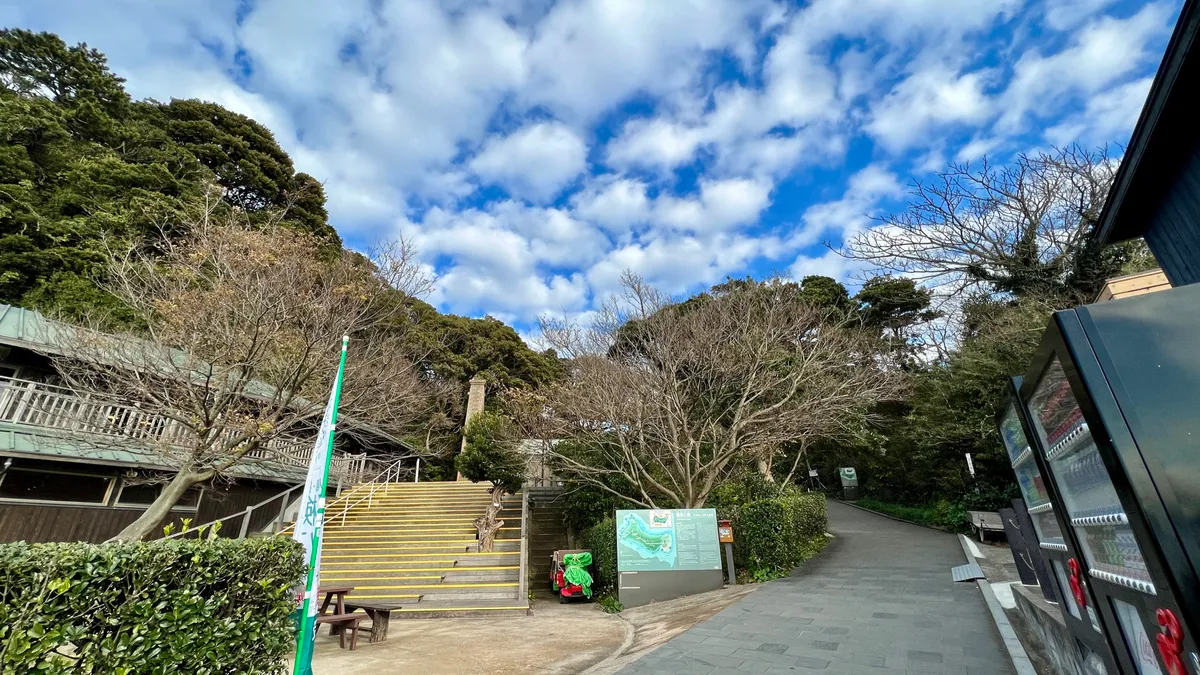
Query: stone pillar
(475, 398)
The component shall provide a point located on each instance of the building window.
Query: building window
(144, 494)
(54, 486)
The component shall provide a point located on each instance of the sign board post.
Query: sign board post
(667, 553)
(725, 535)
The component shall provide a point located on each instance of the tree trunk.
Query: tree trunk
(488, 525)
(157, 511)
(764, 467)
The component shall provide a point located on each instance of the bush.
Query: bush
(773, 536)
(187, 606)
(601, 540)
(944, 514)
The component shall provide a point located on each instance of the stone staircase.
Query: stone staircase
(412, 547)
(547, 534)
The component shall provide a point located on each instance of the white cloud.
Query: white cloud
(1109, 116)
(1067, 14)
(678, 263)
(616, 204)
(589, 55)
(1103, 52)
(720, 205)
(535, 162)
(828, 264)
(851, 213)
(655, 143)
(921, 107)
(978, 148)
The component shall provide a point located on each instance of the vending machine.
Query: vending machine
(1112, 405)
(1058, 546)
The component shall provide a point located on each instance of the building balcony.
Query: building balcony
(44, 421)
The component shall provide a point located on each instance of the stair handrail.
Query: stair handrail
(523, 588)
(388, 474)
(244, 514)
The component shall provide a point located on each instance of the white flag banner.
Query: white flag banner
(310, 521)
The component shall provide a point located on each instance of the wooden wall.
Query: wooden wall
(1173, 233)
(56, 522)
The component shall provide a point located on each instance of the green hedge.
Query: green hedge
(944, 514)
(181, 606)
(774, 535)
(601, 539)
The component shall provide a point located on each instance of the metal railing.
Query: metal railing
(366, 492)
(246, 515)
(523, 588)
(69, 412)
(392, 471)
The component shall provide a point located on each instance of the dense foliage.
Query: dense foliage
(776, 525)
(82, 163)
(601, 540)
(489, 454)
(196, 606)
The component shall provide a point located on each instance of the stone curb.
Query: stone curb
(895, 518)
(1016, 651)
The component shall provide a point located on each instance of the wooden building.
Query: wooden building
(1132, 285)
(63, 482)
(1156, 194)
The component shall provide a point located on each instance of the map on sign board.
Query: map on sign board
(667, 539)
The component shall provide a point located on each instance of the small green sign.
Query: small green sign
(663, 540)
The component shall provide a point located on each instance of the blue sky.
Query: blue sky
(533, 150)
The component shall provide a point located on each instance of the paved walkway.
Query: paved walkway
(879, 601)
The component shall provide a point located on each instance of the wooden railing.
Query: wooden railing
(71, 413)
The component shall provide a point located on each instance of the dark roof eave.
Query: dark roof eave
(1116, 222)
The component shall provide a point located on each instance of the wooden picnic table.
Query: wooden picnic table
(331, 592)
(380, 613)
(341, 621)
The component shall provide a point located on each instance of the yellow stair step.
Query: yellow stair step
(325, 571)
(504, 584)
(448, 556)
(418, 608)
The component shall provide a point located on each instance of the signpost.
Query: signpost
(667, 553)
(725, 534)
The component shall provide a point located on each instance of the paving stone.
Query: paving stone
(927, 657)
(833, 630)
(885, 615)
(773, 647)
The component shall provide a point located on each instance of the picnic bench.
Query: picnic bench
(985, 521)
(341, 622)
(380, 614)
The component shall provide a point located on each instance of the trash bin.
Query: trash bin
(849, 483)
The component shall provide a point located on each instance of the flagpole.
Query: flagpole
(310, 524)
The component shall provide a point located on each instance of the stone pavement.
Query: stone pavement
(878, 601)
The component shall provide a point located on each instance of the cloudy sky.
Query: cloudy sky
(534, 149)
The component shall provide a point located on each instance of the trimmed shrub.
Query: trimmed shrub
(180, 606)
(775, 535)
(601, 539)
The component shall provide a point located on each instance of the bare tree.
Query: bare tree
(236, 345)
(1020, 228)
(665, 397)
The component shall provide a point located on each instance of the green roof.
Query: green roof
(28, 441)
